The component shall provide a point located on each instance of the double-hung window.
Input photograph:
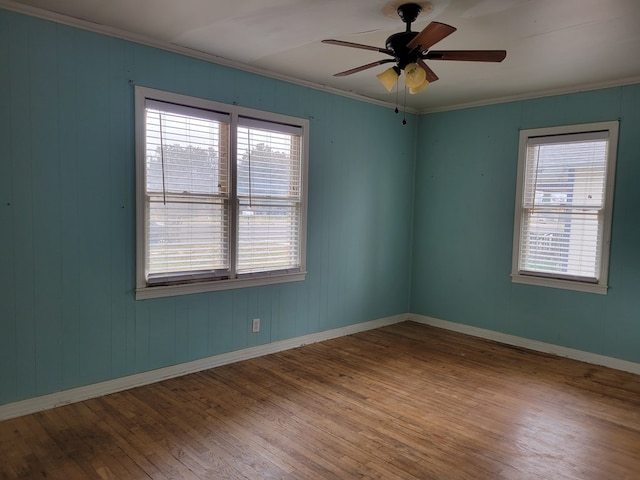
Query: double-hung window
(221, 195)
(564, 206)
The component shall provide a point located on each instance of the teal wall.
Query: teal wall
(463, 226)
(67, 267)
(67, 214)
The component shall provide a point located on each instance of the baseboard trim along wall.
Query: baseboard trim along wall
(543, 347)
(44, 402)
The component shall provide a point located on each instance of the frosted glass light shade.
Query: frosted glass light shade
(388, 78)
(419, 88)
(414, 75)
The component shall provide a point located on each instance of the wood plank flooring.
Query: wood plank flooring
(406, 401)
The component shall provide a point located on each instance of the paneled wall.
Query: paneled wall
(67, 214)
(463, 226)
(390, 230)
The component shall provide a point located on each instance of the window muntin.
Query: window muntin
(563, 206)
(221, 195)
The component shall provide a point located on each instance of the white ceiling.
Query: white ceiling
(552, 45)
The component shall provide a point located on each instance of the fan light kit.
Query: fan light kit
(409, 50)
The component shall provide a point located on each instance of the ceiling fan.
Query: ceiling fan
(409, 50)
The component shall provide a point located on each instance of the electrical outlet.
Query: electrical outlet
(255, 327)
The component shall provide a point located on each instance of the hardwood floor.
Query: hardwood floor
(402, 402)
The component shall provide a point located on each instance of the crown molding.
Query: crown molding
(29, 10)
(537, 94)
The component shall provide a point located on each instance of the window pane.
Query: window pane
(268, 164)
(185, 154)
(567, 175)
(561, 243)
(268, 237)
(186, 237)
(269, 179)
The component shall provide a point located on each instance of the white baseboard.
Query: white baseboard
(530, 344)
(44, 402)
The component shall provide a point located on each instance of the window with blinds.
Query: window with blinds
(563, 207)
(186, 193)
(269, 188)
(221, 195)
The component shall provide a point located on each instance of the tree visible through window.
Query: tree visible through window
(563, 207)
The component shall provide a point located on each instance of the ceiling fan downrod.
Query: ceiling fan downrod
(398, 42)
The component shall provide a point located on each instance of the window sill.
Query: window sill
(577, 286)
(145, 293)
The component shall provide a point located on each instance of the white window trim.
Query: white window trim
(601, 287)
(144, 291)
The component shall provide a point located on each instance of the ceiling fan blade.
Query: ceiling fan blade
(363, 67)
(357, 45)
(431, 34)
(467, 55)
(431, 75)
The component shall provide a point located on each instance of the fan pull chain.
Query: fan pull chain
(397, 89)
(404, 112)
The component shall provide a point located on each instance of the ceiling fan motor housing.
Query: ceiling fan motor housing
(404, 55)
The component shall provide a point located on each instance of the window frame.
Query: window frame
(144, 290)
(544, 280)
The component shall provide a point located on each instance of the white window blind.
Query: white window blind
(564, 210)
(187, 222)
(269, 194)
(221, 195)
